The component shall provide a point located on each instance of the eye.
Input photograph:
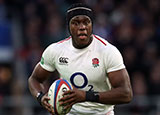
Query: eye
(86, 22)
(75, 23)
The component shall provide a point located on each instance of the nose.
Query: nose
(82, 26)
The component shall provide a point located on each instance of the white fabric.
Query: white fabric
(76, 65)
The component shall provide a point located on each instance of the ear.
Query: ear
(69, 29)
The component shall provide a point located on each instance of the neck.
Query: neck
(82, 46)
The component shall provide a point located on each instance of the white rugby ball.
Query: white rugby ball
(55, 92)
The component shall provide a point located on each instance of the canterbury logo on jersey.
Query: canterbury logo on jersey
(63, 60)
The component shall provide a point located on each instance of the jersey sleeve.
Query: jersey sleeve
(47, 59)
(114, 60)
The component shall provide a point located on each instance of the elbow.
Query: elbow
(128, 96)
(29, 81)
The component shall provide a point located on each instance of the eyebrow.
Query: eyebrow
(76, 19)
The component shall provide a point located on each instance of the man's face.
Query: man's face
(81, 29)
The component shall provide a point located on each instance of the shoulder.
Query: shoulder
(64, 41)
(58, 45)
(103, 43)
(100, 40)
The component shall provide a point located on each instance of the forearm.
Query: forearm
(37, 80)
(35, 86)
(112, 97)
(115, 96)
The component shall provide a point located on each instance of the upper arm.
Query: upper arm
(121, 91)
(37, 79)
(40, 74)
(115, 68)
(120, 79)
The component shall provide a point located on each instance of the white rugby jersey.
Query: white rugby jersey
(85, 68)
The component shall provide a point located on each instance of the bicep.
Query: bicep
(121, 91)
(119, 78)
(40, 74)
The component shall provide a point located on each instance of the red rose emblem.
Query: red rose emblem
(95, 62)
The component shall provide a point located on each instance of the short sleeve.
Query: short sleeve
(47, 59)
(113, 60)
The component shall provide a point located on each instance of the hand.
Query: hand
(71, 97)
(45, 104)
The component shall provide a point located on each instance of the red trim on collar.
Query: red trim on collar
(64, 40)
(99, 39)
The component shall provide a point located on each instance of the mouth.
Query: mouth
(82, 36)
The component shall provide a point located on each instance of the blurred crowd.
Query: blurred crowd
(27, 27)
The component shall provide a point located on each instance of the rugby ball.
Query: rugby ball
(55, 92)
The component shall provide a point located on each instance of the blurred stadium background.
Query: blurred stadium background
(27, 27)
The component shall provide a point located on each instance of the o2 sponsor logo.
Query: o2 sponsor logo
(85, 81)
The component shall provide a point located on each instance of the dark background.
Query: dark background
(27, 27)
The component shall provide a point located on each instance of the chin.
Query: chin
(83, 45)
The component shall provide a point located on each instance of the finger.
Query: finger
(68, 92)
(50, 109)
(66, 97)
(46, 103)
(69, 105)
(46, 98)
(52, 112)
(68, 101)
(63, 98)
